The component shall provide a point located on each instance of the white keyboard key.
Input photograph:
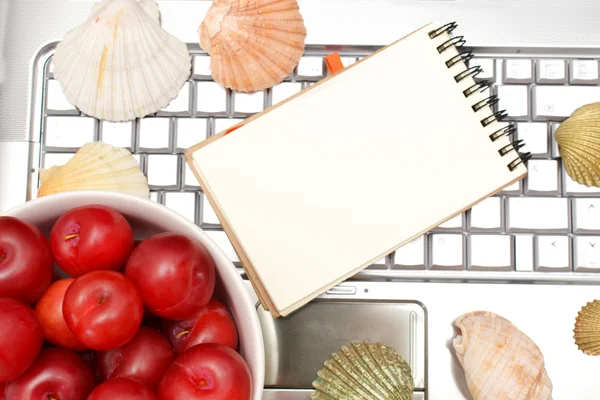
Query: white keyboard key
(56, 100)
(310, 68)
(555, 153)
(182, 203)
(154, 197)
(117, 134)
(189, 179)
(584, 72)
(455, 222)
(208, 213)
(514, 188)
(248, 103)
(138, 158)
(162, 170)
(411, 255)
(56, 159)
(490, 253)
(587, 253)
(154, 134)
(544, 214)
(552, 253)
(542, 177)
(535, 135)
(202, 67)
(222, 124)
(447, 252)
(573, 188)
(488, 67)
(284, 90)
(586, 216)
(221, 239)
(69, 132)
(559, 102)
(379, 264)
(551, 71)
(191, 131)
(211, 98)
(486, 215)
(518, 71)
(524, 253)
(348, 61)
(181, 103)
(515, 100)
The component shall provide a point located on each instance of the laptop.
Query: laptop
(528, 253)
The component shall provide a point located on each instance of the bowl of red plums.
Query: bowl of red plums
(107, 296)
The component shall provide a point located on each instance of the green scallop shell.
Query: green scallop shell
(364, 371)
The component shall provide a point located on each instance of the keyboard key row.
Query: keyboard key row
(544, 253)
(548, 71)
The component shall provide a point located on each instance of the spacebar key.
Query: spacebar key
(558, 102)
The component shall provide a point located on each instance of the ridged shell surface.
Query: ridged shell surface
(150, 6)
(253, 44)
(587, 329)
(96, 166)
(364, 371)
(500, 361)
(578, 140)
(120, 64)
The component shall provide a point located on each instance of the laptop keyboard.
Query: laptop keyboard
(545, 223)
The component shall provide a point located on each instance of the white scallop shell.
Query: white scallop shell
(120, 64)
(96, 166)
(500, 361)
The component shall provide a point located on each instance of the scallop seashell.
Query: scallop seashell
(96, 166)
(578, 139)
(587, 329)
(253, 44)
(120, 64)
(150, 6)
(500, 361)
(366, 371)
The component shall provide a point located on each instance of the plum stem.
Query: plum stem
(72, 236)
(202, 382)
(51, 397)
(182, 333)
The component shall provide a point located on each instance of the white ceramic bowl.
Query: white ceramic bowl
(147, 218)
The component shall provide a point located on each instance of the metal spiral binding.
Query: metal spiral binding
(481, 86)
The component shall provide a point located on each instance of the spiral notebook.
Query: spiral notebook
(320, 186)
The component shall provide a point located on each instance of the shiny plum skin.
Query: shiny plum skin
(91, 238)
(122, 388)
(26, 263)
(213, 324)
(21, 338)
(210, 371)
(174, 274)
(56, 374)
(103, 309)
(144, 358)
(49, 310)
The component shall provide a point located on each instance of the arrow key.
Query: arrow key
(552, 253)
(586, 218)
(587, 254)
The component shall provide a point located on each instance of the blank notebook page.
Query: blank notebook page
(324, 185)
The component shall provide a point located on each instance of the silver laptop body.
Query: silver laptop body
(530, 254)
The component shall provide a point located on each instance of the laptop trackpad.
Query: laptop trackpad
(297, 346)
